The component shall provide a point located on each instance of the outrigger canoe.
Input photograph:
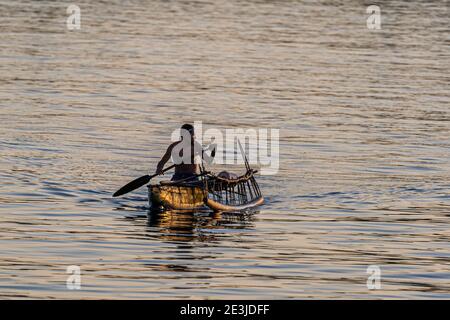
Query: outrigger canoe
(211, 192)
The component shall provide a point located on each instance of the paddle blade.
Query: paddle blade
(133, 185)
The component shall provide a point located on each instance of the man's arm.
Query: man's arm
(165, 158)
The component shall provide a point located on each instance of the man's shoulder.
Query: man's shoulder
(173, 144)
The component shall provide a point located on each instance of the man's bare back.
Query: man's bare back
(186, 164)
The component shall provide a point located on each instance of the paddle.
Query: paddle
(137, 183)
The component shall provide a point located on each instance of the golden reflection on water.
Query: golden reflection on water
(188, 226)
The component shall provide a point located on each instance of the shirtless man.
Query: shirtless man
(187, 154)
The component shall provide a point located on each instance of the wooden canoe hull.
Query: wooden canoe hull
(177, 197)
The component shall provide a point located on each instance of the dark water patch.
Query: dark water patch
(87, 200)
(320, 196)
(59, 192)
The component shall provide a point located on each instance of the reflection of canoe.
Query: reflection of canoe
(211, 192)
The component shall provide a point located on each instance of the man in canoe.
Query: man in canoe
(187, 155)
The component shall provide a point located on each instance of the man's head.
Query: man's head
(189, 128)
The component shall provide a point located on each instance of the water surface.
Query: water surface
(364, 125)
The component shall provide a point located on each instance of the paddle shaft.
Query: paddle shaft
(166, 169)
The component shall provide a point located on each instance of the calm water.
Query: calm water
(364, 121)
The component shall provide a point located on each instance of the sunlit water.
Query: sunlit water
(364, 119)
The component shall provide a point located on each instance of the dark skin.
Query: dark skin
(189, 168)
